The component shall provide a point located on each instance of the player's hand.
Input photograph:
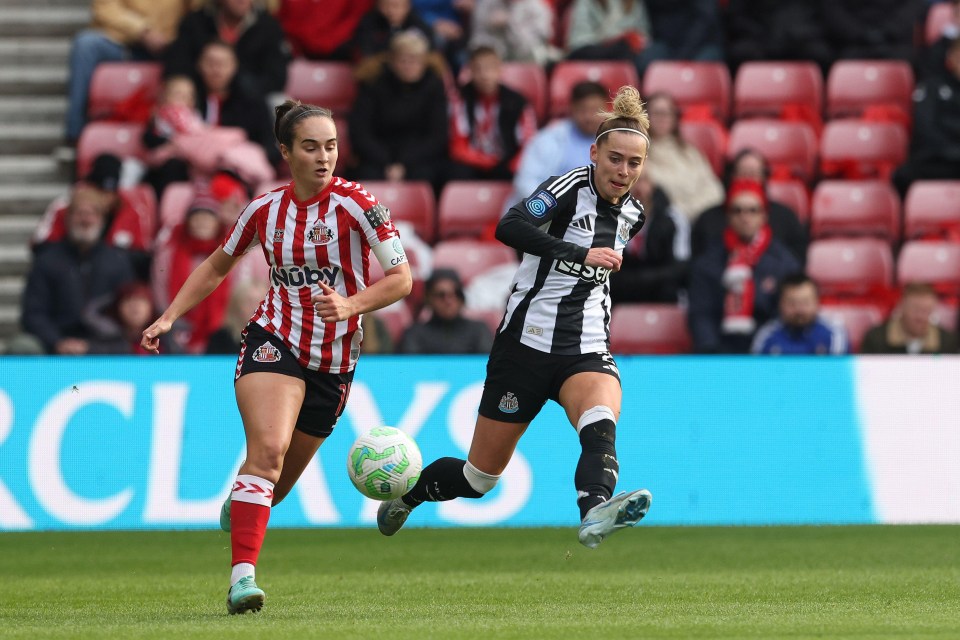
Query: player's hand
(330, 305)
(603, 257)
(151, 335)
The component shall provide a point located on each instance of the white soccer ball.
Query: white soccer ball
(384, 463)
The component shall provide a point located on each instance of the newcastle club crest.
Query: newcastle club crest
(509, 403)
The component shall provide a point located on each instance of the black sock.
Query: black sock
(440, 481)
(597, 468)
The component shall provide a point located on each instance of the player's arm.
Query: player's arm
(522, 228)
(198, 286)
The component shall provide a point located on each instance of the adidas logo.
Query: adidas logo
(582, 223)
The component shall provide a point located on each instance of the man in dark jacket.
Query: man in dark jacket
(656, 260)
(734, 285)
(911, 330)
(776, 30)
(255, 35)
(935, 145)
(385, 20)
(871, 29)
(489, 123)
(447, 330)
(69, 277)
(783, 221)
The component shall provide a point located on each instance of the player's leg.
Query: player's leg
(268, 427)
(302, 449)
(591, 400)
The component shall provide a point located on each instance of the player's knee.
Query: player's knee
(597, 428)
(480, 481)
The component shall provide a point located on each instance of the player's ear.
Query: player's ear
(594, 153)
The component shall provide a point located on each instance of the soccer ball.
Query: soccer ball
(384, 463)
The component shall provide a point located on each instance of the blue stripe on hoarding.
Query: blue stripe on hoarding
(153, 442)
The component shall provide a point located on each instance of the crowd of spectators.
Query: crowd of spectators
(432, 105)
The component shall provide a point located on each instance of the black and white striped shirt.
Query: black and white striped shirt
(557, 304)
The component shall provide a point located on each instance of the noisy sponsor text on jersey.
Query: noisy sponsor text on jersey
(596, 275)
(304, 276)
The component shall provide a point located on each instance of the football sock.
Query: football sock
(597, 469)
(441, 480)
(249, 512)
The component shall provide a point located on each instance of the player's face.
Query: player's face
(313, 156)
(746, 215)
(799, 306)
(619, 160)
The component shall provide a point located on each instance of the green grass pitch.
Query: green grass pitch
(651, 582)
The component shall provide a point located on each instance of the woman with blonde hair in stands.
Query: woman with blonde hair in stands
(553, 340)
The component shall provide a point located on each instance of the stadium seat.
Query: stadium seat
(649, 328)
(934, 262)
(611, 74)
(854, 208)
(411, 202)
(470, 258)
(857, 320)
(323, 83)
(854, 85)
(123, 139)
(938, 17)
(710, 138)
(789, 147)
(856, 270)
(932, 210)
(489, 317)
(174, 203)
(397, 317)
(768, 88)
(692, 85)
(793, 194)
(123, 90)
(857, 149)
(471, 208)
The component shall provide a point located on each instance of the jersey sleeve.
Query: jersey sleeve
(522, 226)
(379, 231)
(244, 234)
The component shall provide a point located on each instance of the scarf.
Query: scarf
(738, 279)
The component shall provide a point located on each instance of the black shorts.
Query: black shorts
(326, 393)
(520, 379)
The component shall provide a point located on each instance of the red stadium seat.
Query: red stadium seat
(855, 208)
(397, 317)
(323, 83)
(530, 80)
(115, 86)
(857, 270)
(857, 320)
(932, 210)
(611, 74)
(854, 85)
(177, 197)
(692, 84)
(122, 139)
(789, 147)
(857, 149)
(411, 202)
(768, 88)
(710, 138)
(470, 258)
(793, 194)
(471, 208)
(938, 17)
(933, 262)
(649, 328)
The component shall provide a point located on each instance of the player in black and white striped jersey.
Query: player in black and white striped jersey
(554, 340)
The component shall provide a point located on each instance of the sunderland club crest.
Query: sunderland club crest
(320, 234)
(266, 353)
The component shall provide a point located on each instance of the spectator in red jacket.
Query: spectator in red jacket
(322, 30)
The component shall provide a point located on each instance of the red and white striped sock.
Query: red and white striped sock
(249, 513)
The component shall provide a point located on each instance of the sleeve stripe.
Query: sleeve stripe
(245, 228)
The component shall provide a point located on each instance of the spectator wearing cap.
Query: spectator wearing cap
(69, 276)
(126, 225)
(180, 250)
(734, 285)
(800, 330)
(445, 330)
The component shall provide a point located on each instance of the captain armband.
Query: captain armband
(390, 253)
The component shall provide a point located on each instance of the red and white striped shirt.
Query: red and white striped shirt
(328, 239)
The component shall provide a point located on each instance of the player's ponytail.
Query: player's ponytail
(627, 114)
(291, 112)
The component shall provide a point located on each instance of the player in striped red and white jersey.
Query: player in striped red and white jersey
(301, 346)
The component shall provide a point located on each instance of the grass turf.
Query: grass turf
(653, 582)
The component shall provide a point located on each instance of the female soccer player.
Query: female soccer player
(300, 348)
(553, 341)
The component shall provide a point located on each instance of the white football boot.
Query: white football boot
(391, 515)
(622, 510)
